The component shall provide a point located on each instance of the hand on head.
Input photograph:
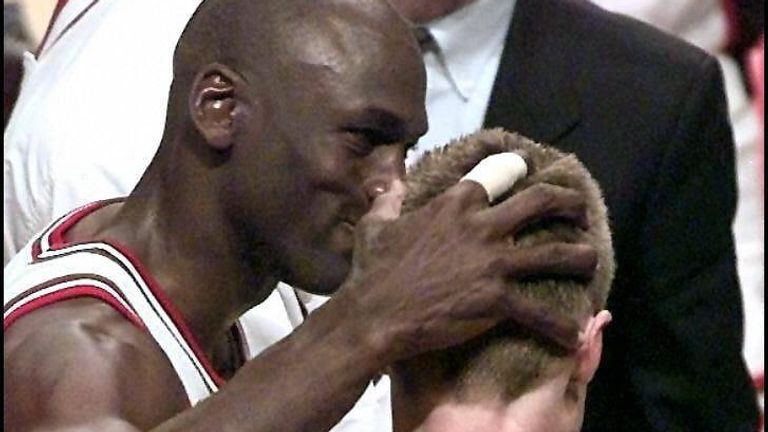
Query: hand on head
(441, 274)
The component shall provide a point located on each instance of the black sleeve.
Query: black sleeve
(685, 351)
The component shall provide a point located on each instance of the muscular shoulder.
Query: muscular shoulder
(81, 363)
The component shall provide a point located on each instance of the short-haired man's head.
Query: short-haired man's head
(508, 361)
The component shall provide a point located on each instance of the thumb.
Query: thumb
(387, 205)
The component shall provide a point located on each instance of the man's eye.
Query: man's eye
(361, 141)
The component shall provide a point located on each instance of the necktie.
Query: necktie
(427, 42)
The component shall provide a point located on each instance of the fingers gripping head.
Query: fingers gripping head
(508, 360)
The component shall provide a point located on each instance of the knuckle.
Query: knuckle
(468, 193)
(498, 295)
(481, 227)
(590, 257)
(456, 200)
(577, 201)
(542, 197)
(444, 200)
(544, 190)
(564, 253)
(581, 205)
(497, 265)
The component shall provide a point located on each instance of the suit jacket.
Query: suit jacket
(646, 113)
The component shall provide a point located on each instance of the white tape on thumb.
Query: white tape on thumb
(497, 173)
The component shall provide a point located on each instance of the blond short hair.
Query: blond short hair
(508, 360)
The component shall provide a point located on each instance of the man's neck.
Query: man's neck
(196, 256)
(540, 409)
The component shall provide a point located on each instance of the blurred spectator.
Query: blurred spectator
(15, 42)
(13, 23)
(13, 54)
(757, 78)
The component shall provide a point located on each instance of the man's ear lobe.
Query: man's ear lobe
(212, 105)
(591, 350)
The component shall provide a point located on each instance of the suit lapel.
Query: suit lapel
(536, 92)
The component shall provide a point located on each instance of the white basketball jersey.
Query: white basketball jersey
(49, 270)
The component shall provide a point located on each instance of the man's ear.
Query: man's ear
(213, 104)
(591, 350)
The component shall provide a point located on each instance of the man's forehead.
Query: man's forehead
(362, 66)
(346, 35)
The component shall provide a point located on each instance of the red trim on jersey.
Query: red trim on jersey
(69, 25)
(69, 294)
(172, 311)
(56, 11)
(57, 240)
(36, 250)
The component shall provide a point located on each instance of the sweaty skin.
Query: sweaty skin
(267, 171)
(420, 12)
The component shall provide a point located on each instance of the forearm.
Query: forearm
(307, 381)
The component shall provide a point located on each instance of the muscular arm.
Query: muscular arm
(79, 365)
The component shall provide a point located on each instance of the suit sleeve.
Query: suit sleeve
(685, 346)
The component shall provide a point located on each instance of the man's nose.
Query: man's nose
(387, 171)
(388, 203)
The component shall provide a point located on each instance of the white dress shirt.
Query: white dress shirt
(460, 76)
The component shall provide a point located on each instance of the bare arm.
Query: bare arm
(79, 365)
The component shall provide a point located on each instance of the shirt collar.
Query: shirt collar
(470, 37)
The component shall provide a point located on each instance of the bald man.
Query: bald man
(282, 154)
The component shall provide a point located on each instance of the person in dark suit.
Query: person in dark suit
(646, 113)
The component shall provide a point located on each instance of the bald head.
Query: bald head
(259, 38)
(275, 106)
